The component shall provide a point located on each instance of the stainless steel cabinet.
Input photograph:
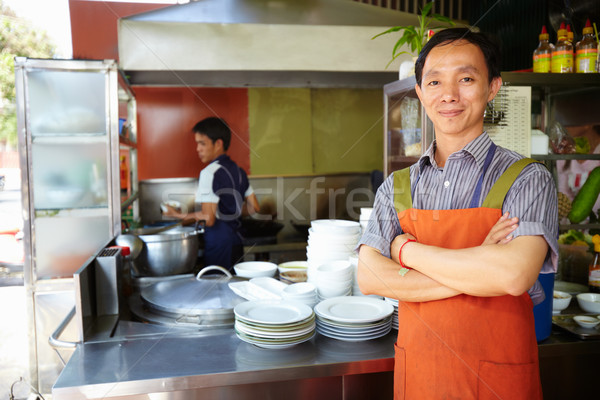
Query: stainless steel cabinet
(68, 126)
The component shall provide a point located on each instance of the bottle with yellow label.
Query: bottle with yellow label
(543, 53)
(586, 51)
(594, 272)
(562, 55)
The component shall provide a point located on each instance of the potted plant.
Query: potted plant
(415, 36)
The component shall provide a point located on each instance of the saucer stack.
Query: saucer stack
(330, 240)
(354, 319)
(394, 303)
(333, 279)
(274, 324)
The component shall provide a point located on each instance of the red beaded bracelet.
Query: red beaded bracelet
(400, 253)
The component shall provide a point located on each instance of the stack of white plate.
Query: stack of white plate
(353, 318)
(333, 279)
(394, 303)
(303, 292)
(365, 215)
(329, 240)
(274, 324)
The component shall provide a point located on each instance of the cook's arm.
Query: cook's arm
(207, 213)
(250, 206)
(487, 270)
(379, 275)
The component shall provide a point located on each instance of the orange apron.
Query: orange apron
(464, 347)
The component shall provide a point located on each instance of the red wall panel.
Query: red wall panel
(166, 115)
(94, 26)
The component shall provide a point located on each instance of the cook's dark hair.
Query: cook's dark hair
(215, 128)
(489, 48)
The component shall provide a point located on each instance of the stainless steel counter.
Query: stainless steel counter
(188, 365)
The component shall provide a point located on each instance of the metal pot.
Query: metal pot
(194, 301)
(170, 252)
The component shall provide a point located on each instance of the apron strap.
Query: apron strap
(495, 197)
(402, 194)
(486, 164)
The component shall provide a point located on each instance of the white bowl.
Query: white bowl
(293, 266)
(333, 237)
(589, 302)
(560, 300)
(324, 246)
(335, 270)
(300, 289)
(586, 321)
(255, 269)
(335, 226)
(329, 292)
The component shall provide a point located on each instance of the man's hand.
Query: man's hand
(501, 232)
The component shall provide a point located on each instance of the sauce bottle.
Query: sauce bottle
(562, 55)
(594, 271)
(543, 54)
(586, 51)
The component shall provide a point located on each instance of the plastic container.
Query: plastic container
(542, 55)
(542, 313)
(562, 55)
(586, 51)
(594, 269)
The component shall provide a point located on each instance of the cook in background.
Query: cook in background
(462, 268)
(224, 195)
(572, 174)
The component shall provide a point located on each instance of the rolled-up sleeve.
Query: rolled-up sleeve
(383, 225)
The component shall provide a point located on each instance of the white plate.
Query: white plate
(274, 334)
(355, 339)
(357, 309)
(370, 332)
(274, 344)
(272, 312)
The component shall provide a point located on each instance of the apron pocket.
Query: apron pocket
(508, 381)
(399, 373)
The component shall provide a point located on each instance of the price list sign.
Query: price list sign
(511, 125)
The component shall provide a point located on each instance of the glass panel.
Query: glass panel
(67, 102)
(64, 243)
(404, 135)
(69, 175)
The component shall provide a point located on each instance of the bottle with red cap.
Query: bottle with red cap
(586, 51)
(562, 55)
(543, 53)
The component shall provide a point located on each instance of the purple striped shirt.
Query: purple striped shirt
(532, 198)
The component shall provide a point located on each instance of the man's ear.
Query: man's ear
(219, 144)
(495, 86)
(418, 90)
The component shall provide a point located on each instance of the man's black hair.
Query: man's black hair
(215, 128)
(489, 48)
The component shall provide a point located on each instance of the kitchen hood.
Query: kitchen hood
(251, 43)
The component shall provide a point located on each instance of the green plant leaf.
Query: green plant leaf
(394, 29)
(442, 18)
(425, 10)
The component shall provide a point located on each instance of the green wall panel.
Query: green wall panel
(347, 130)
(280, 131)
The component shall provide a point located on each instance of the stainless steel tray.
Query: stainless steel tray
(567, 323)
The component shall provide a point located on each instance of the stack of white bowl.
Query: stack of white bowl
(330, 240)
(365, 215)
(333, 279)
(303, 292)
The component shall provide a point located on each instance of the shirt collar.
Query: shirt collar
(477, 148)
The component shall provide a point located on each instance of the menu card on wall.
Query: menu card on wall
(512, 126)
